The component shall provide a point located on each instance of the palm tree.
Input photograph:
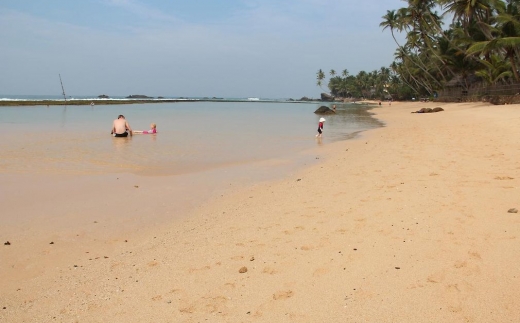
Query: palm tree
(495, 71)
(507, 40)
(469, 11)
(320, 76)
(391, 20)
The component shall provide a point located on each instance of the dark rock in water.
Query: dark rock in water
(327, 97)
(103, 96)
(324, 110)
(138, 96)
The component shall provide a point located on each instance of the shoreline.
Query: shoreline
(96, 101)
(408, 222)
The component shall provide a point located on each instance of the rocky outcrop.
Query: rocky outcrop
(103, 96)
(327, 97)
(324, 110)
(428, 110)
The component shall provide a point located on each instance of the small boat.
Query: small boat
(253, 99)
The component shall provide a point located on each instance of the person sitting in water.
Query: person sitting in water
(120, 127)
(153, 129)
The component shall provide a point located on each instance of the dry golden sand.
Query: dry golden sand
(408, 223)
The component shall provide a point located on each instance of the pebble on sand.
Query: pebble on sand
(7, 243)
(242, 270)
(513, 210)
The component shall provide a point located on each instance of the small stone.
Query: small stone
(7, 243)
(242, 270)
(52, 242)
(513, 210)
(136, 186)
(397, 267)
(252, 258)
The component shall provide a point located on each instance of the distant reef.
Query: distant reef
(138, 96)
(103, 96)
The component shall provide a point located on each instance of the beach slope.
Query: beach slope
(406, 223)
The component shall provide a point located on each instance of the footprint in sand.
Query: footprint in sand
(284, 294)
(192, 270)
(269, 270)
(502, 178)
(320, 272)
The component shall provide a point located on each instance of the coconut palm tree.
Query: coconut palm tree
(320, 76)
(507, 39)
(495, 71)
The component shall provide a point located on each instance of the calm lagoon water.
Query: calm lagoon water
(192, 136)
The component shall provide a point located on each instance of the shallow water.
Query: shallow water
(192, 136)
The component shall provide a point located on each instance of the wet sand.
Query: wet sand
(407, 223)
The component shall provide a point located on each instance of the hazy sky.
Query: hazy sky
(223, 48)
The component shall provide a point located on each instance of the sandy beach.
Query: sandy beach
(405, 223)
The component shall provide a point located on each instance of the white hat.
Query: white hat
(322, 119)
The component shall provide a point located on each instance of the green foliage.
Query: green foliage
(481, 43)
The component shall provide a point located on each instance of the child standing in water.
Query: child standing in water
(320, 127)
(153, 129)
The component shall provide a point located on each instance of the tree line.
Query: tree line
(479, 45)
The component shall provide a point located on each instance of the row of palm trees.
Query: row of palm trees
(481, 44)
(376, 84)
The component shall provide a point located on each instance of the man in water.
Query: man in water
(120, 127)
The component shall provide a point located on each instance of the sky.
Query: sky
(188, 48)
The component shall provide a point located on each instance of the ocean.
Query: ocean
(192, 136)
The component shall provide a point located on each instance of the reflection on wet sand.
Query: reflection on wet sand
(120, 143)
(63, 117)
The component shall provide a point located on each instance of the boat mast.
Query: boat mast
(64, 97)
